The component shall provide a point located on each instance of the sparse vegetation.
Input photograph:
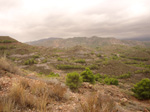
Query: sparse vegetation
(73, 80)
(142, 89)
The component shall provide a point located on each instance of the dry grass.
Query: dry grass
(98, 103)
(58, 92)
(8, 66)
(6, 105)
(24, 83)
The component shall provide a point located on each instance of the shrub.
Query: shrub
(139, 58)
(98, 76)
(44, 61)
(52, 74)
(92, 67)
(73, 80)
(70, 67)
(80, 61)
(36, 56)
(124, 76)
(111, 81)
(88, 76)
(59, 59)
(30, 61)
(142, 89)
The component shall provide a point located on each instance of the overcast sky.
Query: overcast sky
(27, 20)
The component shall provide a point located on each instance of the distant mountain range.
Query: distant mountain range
(138, 39)
(87, 42)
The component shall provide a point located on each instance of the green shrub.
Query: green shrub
(98, 76)
(73, 80)
(111, 81)
(3, 47)
(6, 41)
(30, 62)
(70, 67)
(36, 56)
(80, 61)
(139, 58)
(52, 74)
(142, 71)
(124, 76)
(44, 61)
(142, 89)
(88, 76)
(92, 67)
(59, 59)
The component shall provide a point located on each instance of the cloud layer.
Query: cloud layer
(28, 20)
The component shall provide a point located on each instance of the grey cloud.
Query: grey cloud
(106, 19)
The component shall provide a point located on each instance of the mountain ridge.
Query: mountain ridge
(86, 41)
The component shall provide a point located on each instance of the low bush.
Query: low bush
(52, 74)
(35, 56)
(73, 80)
(70, 67)
(98, 76)
(142, 71)
(88, 76)
(44, 61)
(92, 67)
(30, 61)
(124, 76)
(6, 41)
(80, 61)
(59, 59)
(142, 89)
(111, 81)
(139, 58)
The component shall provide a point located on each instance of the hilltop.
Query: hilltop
(86, 42)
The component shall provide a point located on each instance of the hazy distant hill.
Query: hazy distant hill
(139, 39)
(84, 41)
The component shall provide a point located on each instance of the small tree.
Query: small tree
(88, 76)
(142, 89)
(73, 80)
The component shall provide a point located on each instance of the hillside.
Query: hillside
(29, 76)
(87, 42)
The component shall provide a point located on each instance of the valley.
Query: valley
(38, 70)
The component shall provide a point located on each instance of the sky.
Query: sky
(28, 20)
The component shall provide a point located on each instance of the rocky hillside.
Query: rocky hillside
(87, 42)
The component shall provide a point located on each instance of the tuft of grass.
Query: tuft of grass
(98, 103)
(9, 66)
(59, 93)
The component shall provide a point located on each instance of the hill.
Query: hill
(29, 76)
(87, 42)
